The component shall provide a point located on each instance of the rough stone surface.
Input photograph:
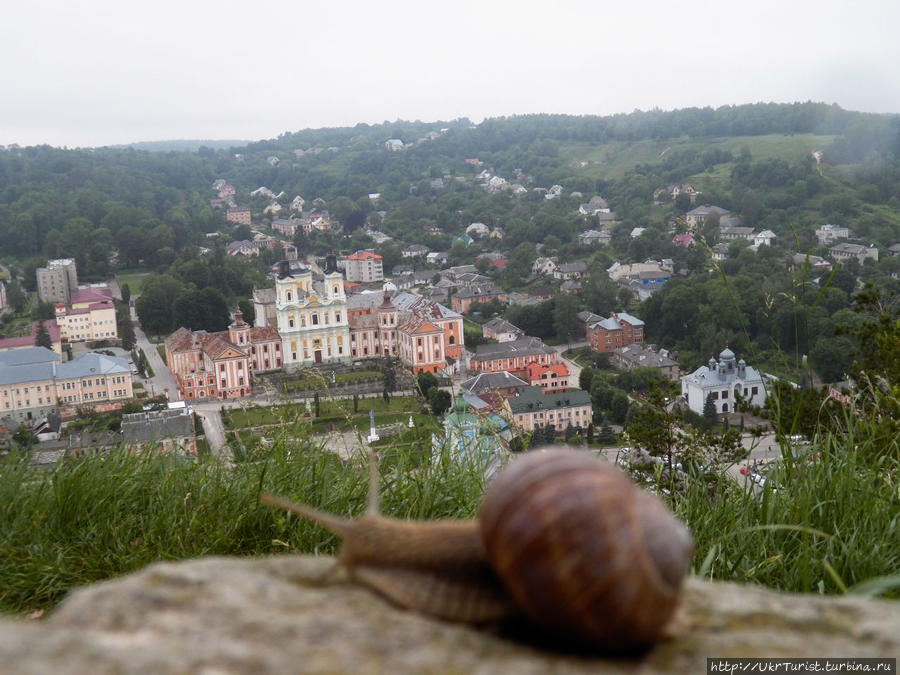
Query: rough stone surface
(273, 615)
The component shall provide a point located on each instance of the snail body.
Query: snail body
(563, 539)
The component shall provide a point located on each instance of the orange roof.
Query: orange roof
(363, 255)
(535, 370)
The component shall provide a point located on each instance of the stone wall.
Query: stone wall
(273, 615)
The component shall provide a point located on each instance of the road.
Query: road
(162, 381)
(574, 368)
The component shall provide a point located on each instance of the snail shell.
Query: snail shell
(564, 539)
(582, 551)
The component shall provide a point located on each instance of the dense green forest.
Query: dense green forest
(122, 208)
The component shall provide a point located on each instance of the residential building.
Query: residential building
(596, 205)
(512, 357)
(699, 215)
(311, 315)
(91, 316)
(220, 365)
(415, 251)
(462, 300)
(727, 382)
(543, 266)
(364, 267)
(812, 262)
(286, 226)
(93, 379)
(576, 270)
(27, 385)
(595, 238)
(619, 330)
(732, 233)
(846, 251)
(242, 249)
(57, 281)
(430, 335)
(163, 430)
(436, 258)
(719, 251)
(552, 378)
(3, 301)
(393, 144)
(33, 383)
(830, 233)
(478, 230)
(639, 356)
(239, 215)
(501, 330)
(532, 408)
(764, 238)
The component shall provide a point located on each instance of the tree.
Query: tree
(584, 378)
(439, 400)
(16, 296)
(618, 407)
(566, 323)
(709, 409)
(154, 306)
(606, 435)
(426, 382)
(42, 337)
(126, 293)
(389, 375)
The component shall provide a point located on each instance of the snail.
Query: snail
(564, 539)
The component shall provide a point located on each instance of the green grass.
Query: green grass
(310, 383)
(826, 526)
(135, 281)
(161, 350)
(100, 517)
(239, 418)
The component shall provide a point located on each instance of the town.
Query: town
(715, 318)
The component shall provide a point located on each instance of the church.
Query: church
(727, 381)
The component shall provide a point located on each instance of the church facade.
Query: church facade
(727, 381)
(311, 315)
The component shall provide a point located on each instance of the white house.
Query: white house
(830, 233)
(477, 230)
(763, 238)
(543, 266)
(726, 382)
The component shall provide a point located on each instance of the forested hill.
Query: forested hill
(54, 200)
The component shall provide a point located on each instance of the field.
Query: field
(135, 281)
(612, 160)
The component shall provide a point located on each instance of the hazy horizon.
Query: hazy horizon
(101, 73)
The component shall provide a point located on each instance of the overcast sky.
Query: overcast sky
(96, 72)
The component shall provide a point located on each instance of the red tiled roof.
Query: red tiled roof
(363, 255)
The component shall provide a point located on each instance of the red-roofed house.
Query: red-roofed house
(552, 378)
(684, 239)
(28, 340)
(220, 365)
(364, 266)
(90, 316)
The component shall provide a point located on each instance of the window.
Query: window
(221, 367)
(290, 323)
(337, 317)
(315, 319)
(452, 339)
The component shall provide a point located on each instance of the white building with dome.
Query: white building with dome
(726, 381)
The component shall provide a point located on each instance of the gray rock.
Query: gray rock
(274, 615)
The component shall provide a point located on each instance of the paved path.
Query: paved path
(162, 381)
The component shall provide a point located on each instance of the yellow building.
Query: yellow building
(33, 383)
(91, 316)
(311, 316)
